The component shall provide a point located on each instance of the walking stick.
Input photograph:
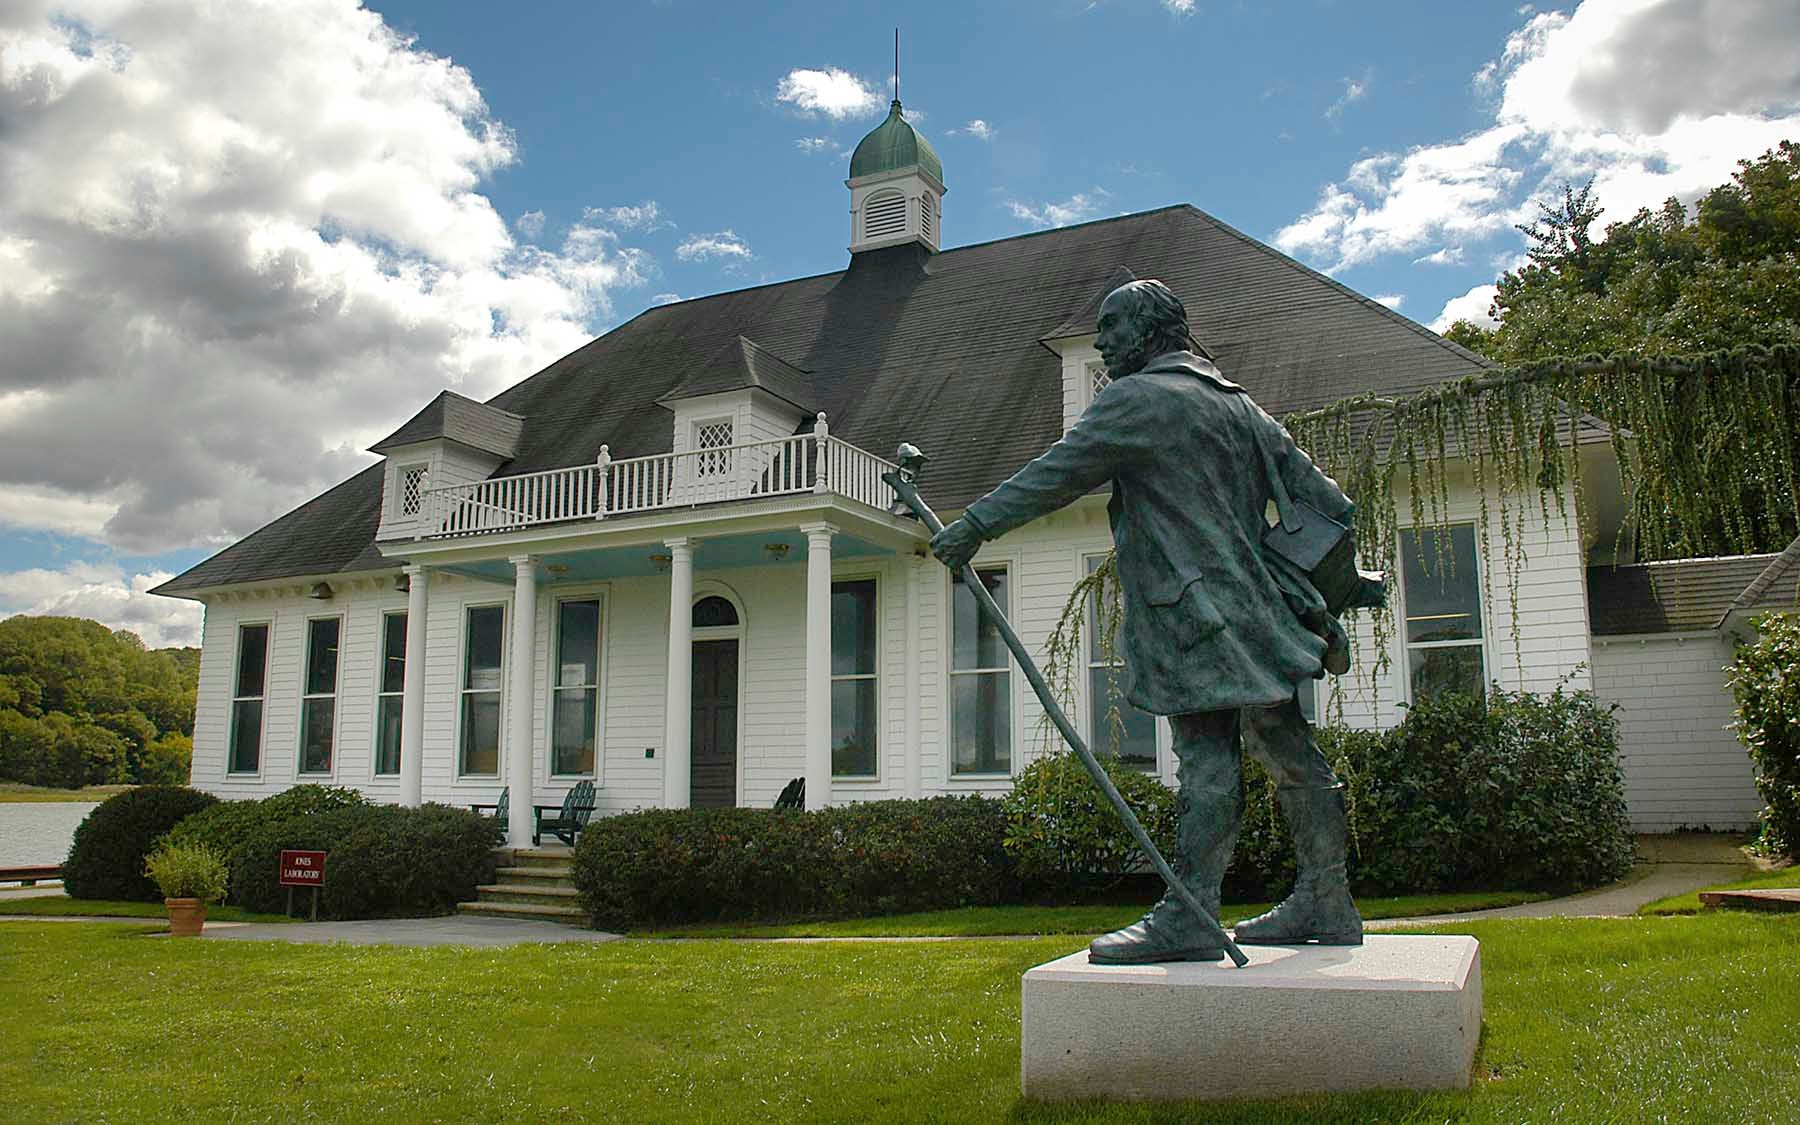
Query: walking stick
(903, 480)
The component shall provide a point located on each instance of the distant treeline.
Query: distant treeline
(81, 704)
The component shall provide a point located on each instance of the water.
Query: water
(34, 833)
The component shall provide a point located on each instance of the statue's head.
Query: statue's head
(1138, 320)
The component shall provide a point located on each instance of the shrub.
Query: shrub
(106, 858)
(225, 827)
(1062, 832)
(167, 761)
(666, 866)
(1765, 681)
(382, 861)
(187, 871)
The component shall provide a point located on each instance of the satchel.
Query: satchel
(1321, 547)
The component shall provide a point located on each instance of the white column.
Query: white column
(818, 664)
(412, 691)
(521, 706)
(910, 567)
(678, 715)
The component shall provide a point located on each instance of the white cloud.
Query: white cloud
(1650, 98)
(705, 247)
(105, 593)
(977, 128)
(1355, 90)
(645, 216)
(240, 242)
(835, 93)
(1391, 300)
(810, 145)
(1077, 208)
(530, 224)
(1472, 306)
(1445, 256)
(666, 299)
(1180, 7)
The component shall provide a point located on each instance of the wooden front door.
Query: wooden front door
(713, 782)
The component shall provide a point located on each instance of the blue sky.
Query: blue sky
(241, 242)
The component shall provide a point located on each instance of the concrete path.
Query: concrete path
(453, 930)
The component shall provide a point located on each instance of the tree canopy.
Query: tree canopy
(81, 704)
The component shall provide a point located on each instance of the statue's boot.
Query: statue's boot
(1320, 908)
(1206, 828)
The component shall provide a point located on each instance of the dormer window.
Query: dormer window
(884, 214)
(1097, 379)
(414, 479)
(713, 439)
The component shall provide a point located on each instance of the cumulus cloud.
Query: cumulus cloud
(530, 224)
(1081, 206)
(837, 94)
(1180, 7)
(645, 216)
(107, 594)
(1650, 98)
(240, 242)
(1472, 306)
(810, 145)
(1355, 90)
(1445, 256)
(1391, 300)
(976, 128)
(706, 247)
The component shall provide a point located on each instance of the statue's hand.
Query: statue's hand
(956, 544)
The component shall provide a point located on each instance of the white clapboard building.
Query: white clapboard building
(666, 563)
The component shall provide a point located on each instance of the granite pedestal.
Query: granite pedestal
(1398, 1012)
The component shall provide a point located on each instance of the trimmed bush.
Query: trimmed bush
(1765, 681)
(1063, 834)
(106, 858)
(671, 866)
(226, 826)
(383, 860)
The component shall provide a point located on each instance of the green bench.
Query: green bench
(570, 819)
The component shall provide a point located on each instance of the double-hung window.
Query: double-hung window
(390, 702)
(1442, 584)
(575, 710)
(980, 680)
(853, 692)
(484, 657)
(1108, 711)
(247, 699)
(318, 707)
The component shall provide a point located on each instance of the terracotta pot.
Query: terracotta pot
(186, 916)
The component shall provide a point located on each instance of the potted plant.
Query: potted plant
(190, 876)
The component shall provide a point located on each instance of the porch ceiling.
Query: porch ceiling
(727, 552)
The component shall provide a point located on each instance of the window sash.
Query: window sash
(480, 705)
(1436, 604)
(855, 694)
(318, 704)
(245, 752)
(575, 691)
(389, 697)
(980, 680)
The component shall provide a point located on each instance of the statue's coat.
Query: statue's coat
(1210, 618)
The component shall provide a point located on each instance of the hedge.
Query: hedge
(106, 857)
(227, 825)
(671, 866)
(1765, 681)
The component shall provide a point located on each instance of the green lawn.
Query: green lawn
(1586, 1021)
(62, 906)
(14, 791)
(987, 921)
(1690, 903)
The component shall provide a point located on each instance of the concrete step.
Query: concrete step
(536, 876)
(1780, 899)
(528, 893)
(567, 914)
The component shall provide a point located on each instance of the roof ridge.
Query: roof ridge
(1764, 579)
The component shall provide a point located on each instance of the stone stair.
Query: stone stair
(530, 883)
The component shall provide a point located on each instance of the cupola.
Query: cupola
(896, 187)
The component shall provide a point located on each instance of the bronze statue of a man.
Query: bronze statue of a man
(1216, 632)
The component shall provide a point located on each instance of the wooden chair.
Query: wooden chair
(568, 822)
(793, 795)
(500, 807)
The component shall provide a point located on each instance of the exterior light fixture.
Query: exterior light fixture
(403, 583)
(662, 561)
(557, 568)
(321, 591)
(777, 551)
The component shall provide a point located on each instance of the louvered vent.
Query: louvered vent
(884, 213)
(928, 218)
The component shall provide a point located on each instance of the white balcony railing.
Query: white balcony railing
(786, 466)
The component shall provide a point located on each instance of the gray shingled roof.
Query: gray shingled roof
(1680, 596)
(1777, 587)
(462, 420)
(741, 363)
(938, 349)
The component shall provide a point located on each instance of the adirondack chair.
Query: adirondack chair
(568, 822)
(793, 795)
(499, 807)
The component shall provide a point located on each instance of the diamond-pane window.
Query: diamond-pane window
(713, 441)
(412, 488)
(1098, 380)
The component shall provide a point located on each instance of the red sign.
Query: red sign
(302, 869)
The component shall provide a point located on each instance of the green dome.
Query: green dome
(892, 146)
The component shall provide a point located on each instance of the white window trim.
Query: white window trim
(1481, 609)
(579, 593)
(307, 697)
(1091, 707)
(880, 678)
(400, 471)
(381, 616)
(262, 734)
(1091, 369)
(709, 588)
(462, 671)
(725, 466)
(1008, 562)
